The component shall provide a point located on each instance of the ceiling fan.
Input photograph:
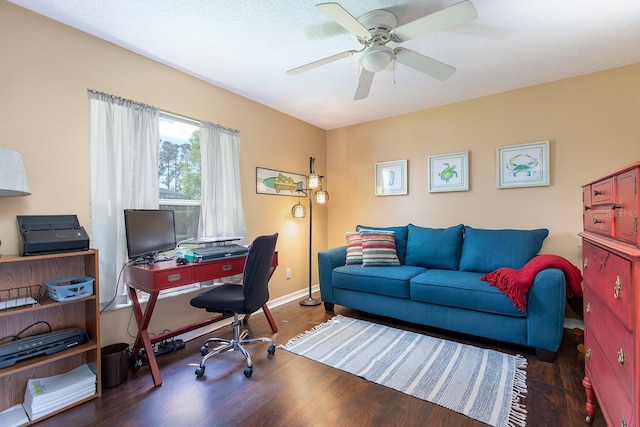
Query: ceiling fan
(380, 36)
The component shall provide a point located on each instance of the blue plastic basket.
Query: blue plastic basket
(70, 288)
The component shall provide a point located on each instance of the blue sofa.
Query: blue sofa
(435, 281)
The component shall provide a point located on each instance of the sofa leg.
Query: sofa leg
(328, 307)
(545, 355)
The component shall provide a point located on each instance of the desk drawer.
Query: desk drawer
(609, 277)
(207, 270)
(171, 278)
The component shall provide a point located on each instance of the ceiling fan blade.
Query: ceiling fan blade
(344, 18)
(364, 84)
(424, 64)
(453, 15)
(320, 62)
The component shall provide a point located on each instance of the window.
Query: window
(179, 173)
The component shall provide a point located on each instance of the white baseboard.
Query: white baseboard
(572, 323)
(188, 336)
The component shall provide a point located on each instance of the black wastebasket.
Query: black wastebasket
(115, 363)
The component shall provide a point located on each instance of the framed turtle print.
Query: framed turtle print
(449, 172)
(391, 178)
(523, 165)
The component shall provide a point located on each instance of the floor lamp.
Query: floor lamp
(313, 188)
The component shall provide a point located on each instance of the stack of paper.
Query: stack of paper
(46, 395)
(14, 416)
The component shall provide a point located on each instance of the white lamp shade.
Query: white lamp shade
(322, 197)
(298, 211)
(13, 176)
(313, 181)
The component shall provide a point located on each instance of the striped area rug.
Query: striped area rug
(485, 385)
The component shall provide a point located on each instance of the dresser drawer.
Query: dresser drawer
(614, 403)
(614, 341)
(602, 192)
(609, 277)
(599, 221)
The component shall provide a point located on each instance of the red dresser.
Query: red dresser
(611, 271)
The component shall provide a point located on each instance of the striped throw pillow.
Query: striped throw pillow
(354, 248)
(378, 248)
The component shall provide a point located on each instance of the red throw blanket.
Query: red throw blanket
(515, 283)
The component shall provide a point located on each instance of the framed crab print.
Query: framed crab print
(391, 178)
(523, 165)
(449, 172)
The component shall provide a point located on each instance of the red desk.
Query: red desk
(166, 275)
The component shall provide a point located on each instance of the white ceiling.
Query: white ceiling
(246, 46)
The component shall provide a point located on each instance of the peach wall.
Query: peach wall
(45, 73)
(591, 121)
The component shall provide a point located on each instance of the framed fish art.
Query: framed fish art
(279, 183)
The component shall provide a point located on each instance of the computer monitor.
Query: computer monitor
(149, 232)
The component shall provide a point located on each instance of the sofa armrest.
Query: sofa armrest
(546, 301)
(327, 261)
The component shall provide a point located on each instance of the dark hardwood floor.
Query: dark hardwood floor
(289, 390)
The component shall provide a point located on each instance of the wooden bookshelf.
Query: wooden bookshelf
(21, 271)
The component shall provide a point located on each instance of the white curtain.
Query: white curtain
(221, 211)
(124, 143)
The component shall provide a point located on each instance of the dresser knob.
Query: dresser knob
(616, 288)
(621, 357)
(597, 193)
(587, 308)
(596, 221)
(588, 352)
(586, 208)
(623, 422)
(585, 263)
(615, 206)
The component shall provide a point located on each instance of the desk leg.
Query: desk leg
(272, 322)
(143, 340)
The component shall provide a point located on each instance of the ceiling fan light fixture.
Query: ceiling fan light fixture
(376, 58)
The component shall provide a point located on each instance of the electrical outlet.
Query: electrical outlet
(288, 273)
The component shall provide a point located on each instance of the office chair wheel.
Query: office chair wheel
(272, 349)
(200, 371)
(204, 350)
(248, 371)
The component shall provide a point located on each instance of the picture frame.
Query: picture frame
(449, 172)
(523, 165)
(279, 183)
(391, 178)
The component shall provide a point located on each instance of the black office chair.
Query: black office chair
(245, 299)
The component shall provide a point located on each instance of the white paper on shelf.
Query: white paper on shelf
(45, 395)
(17, 302)
(13, 416)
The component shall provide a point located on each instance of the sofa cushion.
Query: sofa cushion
(487, 250)
(354, 248)
(434, 247)
(462, 289)
(391, 281)
(378, 248)
(400, 235)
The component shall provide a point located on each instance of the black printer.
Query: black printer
(48, 234)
